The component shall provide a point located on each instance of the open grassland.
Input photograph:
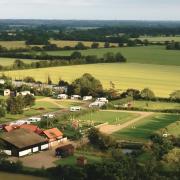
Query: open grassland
(160, 38)
(59, 43)
(146, 54)
(142, 130)
(10, 61)
(152, 105)
(174, 128)
(111, 118)
(161, 79)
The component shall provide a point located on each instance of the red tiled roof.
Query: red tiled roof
(53, 133)
(31, 127)
(8, 128)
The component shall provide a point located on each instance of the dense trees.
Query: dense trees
(173, 46)
(147, 94)
(16, 105)
(175, 95)
(87, 85)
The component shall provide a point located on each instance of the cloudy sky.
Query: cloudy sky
(91, 9)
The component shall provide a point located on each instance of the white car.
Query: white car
(75, 108)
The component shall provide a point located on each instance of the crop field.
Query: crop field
(111, 118)
(142, 130)
(161, 79)
(153, 105)
(10, 61)
(160, 38)
(63, 43)
(145, 55)
(59, 43)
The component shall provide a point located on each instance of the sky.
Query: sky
(91, 9)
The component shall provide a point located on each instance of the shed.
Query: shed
(65, 150)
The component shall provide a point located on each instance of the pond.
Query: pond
(10, 176)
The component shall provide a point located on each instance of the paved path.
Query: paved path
(109, 129)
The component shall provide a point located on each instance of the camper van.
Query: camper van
(62, 96)
(87, 98)
(34, 119)
(102, 99)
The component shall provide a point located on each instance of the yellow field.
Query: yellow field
(59, 43)
(160, 78)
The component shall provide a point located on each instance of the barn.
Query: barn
(22, 142)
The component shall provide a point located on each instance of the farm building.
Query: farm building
(64, 151)
(54, 136)
(22, 142)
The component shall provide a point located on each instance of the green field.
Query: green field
(145, 55)
(48, 107)
(113, 118)
(152, 105)
(161, 79)
(142, 130)
(159, 38)
(174, 128)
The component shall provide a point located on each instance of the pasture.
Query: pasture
(10, 61)
(161, 79)
(159, 38)
(142, 130)
(153, 105)
(111, 118)
(143, 54)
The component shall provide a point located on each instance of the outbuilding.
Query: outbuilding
(64, 151)
(22, 142)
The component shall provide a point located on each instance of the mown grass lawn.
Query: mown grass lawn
(113, 118)
(142, 130)
(69, 103)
